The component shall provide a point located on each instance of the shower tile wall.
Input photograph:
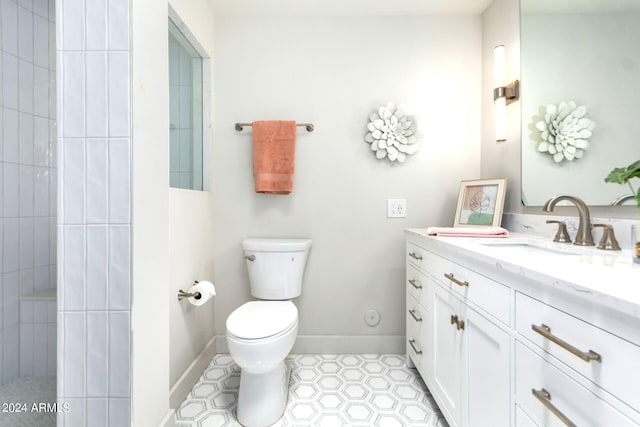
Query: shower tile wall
(28, 190)
(94, 163)
(181, 128)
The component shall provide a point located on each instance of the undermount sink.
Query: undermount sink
(535, 250)
(527, 247)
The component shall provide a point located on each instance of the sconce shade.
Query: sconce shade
(498, 67)
(501, 119)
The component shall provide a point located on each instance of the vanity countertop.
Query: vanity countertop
(609, 278)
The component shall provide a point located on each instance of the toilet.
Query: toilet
(260, 334)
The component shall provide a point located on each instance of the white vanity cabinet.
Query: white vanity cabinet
(464, 356)
(497, 345)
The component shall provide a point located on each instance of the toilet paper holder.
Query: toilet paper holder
(182, 294)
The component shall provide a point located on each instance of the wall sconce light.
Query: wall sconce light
(503, 94)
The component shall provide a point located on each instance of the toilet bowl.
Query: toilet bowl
(260, 335)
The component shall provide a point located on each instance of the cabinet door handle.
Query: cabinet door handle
(412, 312)
(451, 277)
(545, 398)
(412, 343)
(415, 256)
(454, 319)
(587, 356)
(414, 284)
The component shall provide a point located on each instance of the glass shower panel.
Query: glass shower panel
(185, 112)
(27, 209)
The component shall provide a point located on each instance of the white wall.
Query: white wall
(501, 26)
(191, 217)
(334, 72)
(173, 228)
(191, 328)
(150, 198)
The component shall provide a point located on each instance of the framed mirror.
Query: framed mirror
(587, 53)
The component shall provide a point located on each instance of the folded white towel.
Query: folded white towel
(468, 231)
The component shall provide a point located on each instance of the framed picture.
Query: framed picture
(480, 203)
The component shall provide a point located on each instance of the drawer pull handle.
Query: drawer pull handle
(414, 256)
(587, 356)
(456, 281)
(414, 284)
(545, 398)
(415, 317)
(412, 343)
(456, 321)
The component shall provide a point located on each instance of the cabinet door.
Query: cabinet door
(522, 419)
(447, 354)
(486, 358)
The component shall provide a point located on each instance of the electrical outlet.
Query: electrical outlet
(396, 208)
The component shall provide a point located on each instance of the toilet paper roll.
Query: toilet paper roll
(206, 290)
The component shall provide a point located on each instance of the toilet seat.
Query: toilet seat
(258, 320)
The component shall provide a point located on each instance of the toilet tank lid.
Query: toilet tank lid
(276, 245)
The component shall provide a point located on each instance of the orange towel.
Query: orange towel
(274, 147)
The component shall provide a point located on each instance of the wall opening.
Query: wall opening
(185, 112)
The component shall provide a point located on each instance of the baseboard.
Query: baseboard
(192, 374)
(339, 344)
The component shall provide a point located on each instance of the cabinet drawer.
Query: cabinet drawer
(417, 283)
(488, 294)
(417, 322)
(559, 391)
(415, 254)
(618, 370)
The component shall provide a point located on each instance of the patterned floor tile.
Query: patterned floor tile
(325, 391)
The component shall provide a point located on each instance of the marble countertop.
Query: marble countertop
(606, 277)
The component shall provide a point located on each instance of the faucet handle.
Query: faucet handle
(608, 241)
(562, 235)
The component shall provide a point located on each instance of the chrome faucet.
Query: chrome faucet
(584, 236)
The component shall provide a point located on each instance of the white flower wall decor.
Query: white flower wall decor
(392, 133)
(565, 131)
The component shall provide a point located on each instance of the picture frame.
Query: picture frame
(480, 203)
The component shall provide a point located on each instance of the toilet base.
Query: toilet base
(262, 398)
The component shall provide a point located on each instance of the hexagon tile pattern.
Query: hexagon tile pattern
(324, 391)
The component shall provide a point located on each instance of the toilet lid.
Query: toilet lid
(261, 319)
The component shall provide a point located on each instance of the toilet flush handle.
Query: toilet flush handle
(250, 257)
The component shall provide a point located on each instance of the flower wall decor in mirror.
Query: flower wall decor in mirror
(392, 133)
(565, 131)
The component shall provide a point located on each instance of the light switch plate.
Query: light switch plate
(396, 208)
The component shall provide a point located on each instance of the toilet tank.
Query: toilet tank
(276, 267)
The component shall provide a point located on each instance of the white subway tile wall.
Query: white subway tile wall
(94, 246)
(28, 190)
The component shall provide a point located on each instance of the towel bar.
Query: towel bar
(308, 126)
